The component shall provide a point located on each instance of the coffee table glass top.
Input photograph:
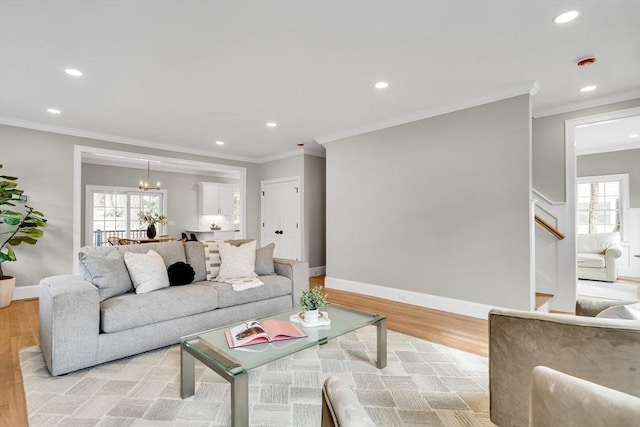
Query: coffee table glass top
(212, 344)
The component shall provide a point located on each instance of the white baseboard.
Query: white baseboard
(317, 271)
(464, 308)
(25, 292)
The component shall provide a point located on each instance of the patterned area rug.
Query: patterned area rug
(423, 384)
(606, 290)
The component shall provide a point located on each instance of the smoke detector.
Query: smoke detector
(584, 62)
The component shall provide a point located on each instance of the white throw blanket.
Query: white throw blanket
(244, 283)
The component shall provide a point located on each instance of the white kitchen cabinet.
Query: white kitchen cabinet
(216, 199)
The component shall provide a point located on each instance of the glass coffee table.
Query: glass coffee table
(210, 347)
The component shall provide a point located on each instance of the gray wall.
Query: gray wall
(44, 163)
(549, 147)
(438, 206)
(182, 191)
(314, 210)
(612, 163)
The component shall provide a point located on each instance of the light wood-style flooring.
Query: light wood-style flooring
(19, 328)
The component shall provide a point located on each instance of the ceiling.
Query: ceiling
(184, 74)
(609, 135)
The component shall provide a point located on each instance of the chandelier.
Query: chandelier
(144, 185)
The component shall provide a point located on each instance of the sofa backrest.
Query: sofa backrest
(171, 252)
(596, 243)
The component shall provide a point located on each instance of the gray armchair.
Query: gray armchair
(559, 399)
(602, 351)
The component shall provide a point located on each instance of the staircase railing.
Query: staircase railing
(551, 229)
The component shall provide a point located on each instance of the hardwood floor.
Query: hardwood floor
(19, 328)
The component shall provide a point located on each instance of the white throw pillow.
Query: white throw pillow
(629, 311)
(237, 261)
(148, 272)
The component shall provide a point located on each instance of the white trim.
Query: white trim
(299, 180)
(546, 199)
(317, 271)
(464, 308)
(77, 187)
(587, 103)
(623, 178)
(120, 139)
(88, 204)
(26, 292)
(608, 149)
(425, 114)
(309, 151)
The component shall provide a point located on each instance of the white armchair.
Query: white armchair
(597, 256)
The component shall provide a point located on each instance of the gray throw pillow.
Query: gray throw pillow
(264, 260)
(107, 273)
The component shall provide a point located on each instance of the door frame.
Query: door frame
(301, 219)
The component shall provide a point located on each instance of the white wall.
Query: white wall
(439, 206)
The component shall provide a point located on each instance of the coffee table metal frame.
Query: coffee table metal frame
(222, 361)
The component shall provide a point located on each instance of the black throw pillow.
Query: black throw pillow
(180, 273)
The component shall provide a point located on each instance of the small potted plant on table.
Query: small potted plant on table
(311, 302)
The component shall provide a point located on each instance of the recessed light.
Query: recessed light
(54, 111)
(272, 124)
(382, 85)
(635, 135)
(219, 142)
(73, 72)
(565, 17)
(588, 88)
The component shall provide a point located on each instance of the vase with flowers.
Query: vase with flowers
(150, 219)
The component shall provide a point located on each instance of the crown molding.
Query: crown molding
(120, 139)
(531, 88)
(590, 103)
(317, 152)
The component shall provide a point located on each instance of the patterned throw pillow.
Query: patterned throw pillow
(212, 258)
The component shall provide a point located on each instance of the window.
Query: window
(601, 203)
(113, 212)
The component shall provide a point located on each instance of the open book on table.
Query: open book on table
(255, 332)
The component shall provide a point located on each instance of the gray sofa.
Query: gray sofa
(604, 351)
(78, 330)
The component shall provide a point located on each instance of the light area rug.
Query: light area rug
(423, 384)
(613, 291)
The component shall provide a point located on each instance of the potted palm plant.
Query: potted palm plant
(15, 228)
(312, 301)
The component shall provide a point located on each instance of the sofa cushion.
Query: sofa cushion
(264, 260)
(596, 243)
(194, 252)
(148, 272)
(590, 260)
(274, 286)
(134, 310)
(108, 273)
(171, 252)
(237, 261)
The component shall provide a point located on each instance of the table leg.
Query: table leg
(187, 373)
(240, 400)
(381, 346)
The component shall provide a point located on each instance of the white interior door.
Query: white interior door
(281, 216)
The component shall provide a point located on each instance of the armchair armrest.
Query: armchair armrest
(297, 271)
(603, 351)
(69, 323)
(561, 399)
(592, 306)
(340, 405)
(613, 252)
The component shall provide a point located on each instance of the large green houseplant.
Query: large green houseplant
(15, 228)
